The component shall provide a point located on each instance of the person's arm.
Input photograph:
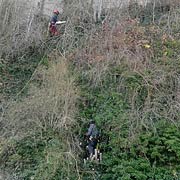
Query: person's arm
(90, 130)
(60, 22)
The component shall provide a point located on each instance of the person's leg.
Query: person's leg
(54, 31)
(95, 149)
(57, 33)
(95, 143)
(91, 148)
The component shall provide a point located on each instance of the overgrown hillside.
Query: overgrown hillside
(123, 72)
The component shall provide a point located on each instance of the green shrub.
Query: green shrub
(40, 156)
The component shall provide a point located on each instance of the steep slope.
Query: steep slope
(122, 74)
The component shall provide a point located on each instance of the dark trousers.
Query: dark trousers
(92, 146)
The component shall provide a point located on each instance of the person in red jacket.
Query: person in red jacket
(52, 24)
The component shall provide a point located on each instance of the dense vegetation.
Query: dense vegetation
(124, 74)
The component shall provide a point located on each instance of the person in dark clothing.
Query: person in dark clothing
(92, 135)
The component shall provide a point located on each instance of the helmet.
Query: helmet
(56, 11)
(92, 122)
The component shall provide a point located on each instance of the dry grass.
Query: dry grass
(49, 106)
(53, 104)
(20, 27)
(115, 42)
(124, 43)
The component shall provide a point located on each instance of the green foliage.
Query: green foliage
(128, 152)
(153, 156)
(45, 61)
(167, 48)
(40, 156)
(150, 154)
(18, 70)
